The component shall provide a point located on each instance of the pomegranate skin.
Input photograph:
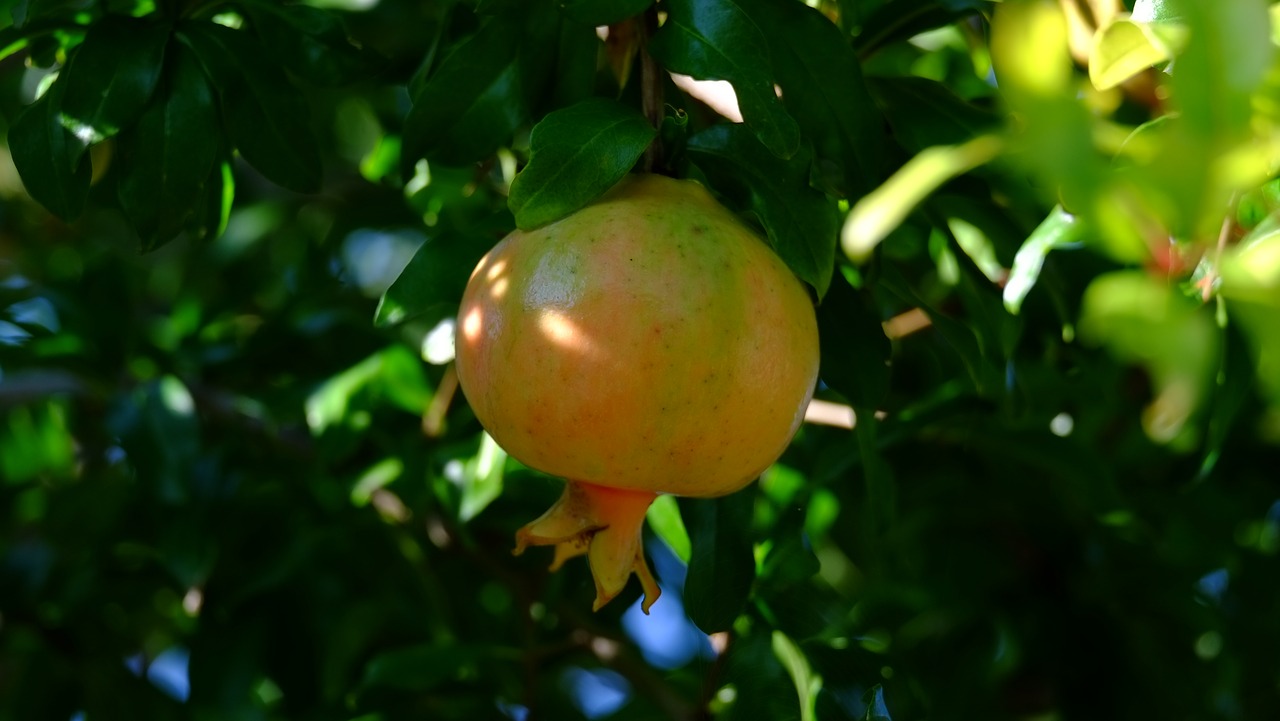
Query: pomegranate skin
(648, 342)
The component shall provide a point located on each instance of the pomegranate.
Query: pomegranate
(648, 343)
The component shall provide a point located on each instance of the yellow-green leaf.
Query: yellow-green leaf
(1123, 49)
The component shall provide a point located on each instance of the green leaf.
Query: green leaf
(1123, 49)
(898, 20)
(422, 667)
(12, 40)
(823, 88)
(764, 688)
(393, 375)
(960, 339)
(715, 40)
(434, 279)
(1147, 11)
(882, 210)
(577, 53)
(721, 562)
(1142, 319)
(310, 42)
(808, 684)
(854, 349)
(924, 112)
(800, 221)
(603, 12)
(1059, 229)
(791, 561)
(50, 160)
(213, 208)
(266, 118)
(111, 76)
(664, 518)
(483, 90)
(482, 478)
(167, 158)
(577, 154)
(1228, 54)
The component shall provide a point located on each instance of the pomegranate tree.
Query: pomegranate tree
(648, 343)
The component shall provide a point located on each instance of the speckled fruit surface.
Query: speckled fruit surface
(649, 342)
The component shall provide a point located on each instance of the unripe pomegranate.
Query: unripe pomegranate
(648, 343)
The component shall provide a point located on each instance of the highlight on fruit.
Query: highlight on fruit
(648, 343)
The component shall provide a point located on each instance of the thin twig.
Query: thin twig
(651, 89)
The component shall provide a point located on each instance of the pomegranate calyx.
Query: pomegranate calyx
(604, 524)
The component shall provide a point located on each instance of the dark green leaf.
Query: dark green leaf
(213, 208)
(823, 88)
(764, 688)
(434, 278)
(604, 12)
(791, 562)
(855, 351)
(925, 113)
(418, 668)
(716, 40)
(899, 20)
(266, 118)
(51, 161)
(577, 55)
(168, 157)
(721, 565)
(111, 75)
(483, 90)
(577, 154)
(310, 42)
(800, 221)
(958, 339)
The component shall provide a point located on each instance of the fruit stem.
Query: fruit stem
(604, 524)
(651, 89)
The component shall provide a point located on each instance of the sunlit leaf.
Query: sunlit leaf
(1142, 319)
(393, 375)
(1059, 230)
(664, 518)
(482, 478)
(882, 210)
(808, 684)
(1123, 49)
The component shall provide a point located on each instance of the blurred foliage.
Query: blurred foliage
(237, 479)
